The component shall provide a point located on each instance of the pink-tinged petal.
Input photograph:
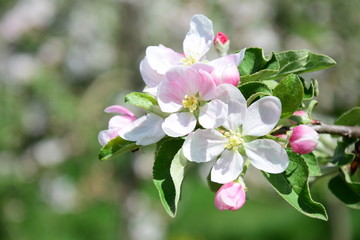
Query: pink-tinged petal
(213, 114)
(203, 145)
(207, 89)
(181, 81)
(150, 76)
(106, 135)
(228, 167)
(120, 121)
(231, 196)
(199, 38)
(267, 155)
(161, 59)
(179, 124)
(262, 116)
(225, 68)
(236, 102)
(120, 110)
(145, 130)
(303, 139)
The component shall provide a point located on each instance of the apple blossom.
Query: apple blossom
(231, 196)
(197, 42)
(303, 139)
(115, 123)
(236, 139)
(189, 95)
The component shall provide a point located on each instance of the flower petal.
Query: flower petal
(236, 102)
(120, 121)
(120, 110)
(262, 116)
(267, 155)
(150, 76)
(161, 59)
(203, 145)
(226, 68)
(199, 38)
(179, 124)
(213, 114)
(145, 130)
(228, 167)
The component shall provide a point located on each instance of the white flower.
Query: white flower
(237, 138)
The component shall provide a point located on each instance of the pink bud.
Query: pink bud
(220, 38)
(222, 43)
(300, 113)
(231, 196)
(303, 139)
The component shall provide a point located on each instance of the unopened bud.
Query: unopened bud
(303, 139)
(222, 43)
(231, 196)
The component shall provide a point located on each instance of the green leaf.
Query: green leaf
(168, 173)
(300, 61)
(290, 92)
(116, 147)
(311, 162)
(256, 66)
(343, 192)
(340, 155)
(145, 101)
(349, 118)
(312, 90)
(252, 90)
(293, 186)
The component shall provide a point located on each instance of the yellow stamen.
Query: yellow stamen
(187, 61)
(234, 140)
(190, 102)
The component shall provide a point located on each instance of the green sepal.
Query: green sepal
(293, 186)
(168, 173)
(290, 91)
(116, 147)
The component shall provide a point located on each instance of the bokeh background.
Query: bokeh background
(62, 62)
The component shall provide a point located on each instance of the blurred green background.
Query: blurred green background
(62, 62)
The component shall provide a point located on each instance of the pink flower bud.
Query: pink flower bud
(221, 38)
(231, 196)
(303, 139)
(222, 43)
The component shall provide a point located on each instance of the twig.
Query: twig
(345, 131)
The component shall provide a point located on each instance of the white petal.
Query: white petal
(262, 116)
(120, 121)
(213, 114)
(203, 145)
(228, 167)
(267, 155)
(161, 59)
(236, 102)
(199, 38)
(104, 137)
(145, 130)
(150, 76)
(179, 124)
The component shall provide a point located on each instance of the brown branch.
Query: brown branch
(345, 131)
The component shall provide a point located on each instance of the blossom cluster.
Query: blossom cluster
(200, 102)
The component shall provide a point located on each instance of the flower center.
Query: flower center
(187, 61)
(190, 102)
(234, 140)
